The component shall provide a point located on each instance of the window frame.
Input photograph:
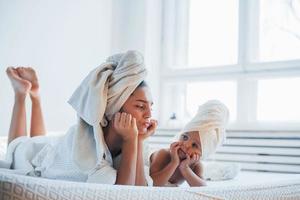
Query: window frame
(246, 71)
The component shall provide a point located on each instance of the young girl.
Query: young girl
(198, 139)
(113, 104)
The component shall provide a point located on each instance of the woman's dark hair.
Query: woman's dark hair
(142, 84)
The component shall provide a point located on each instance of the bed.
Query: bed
(278, 187)
(246, 185)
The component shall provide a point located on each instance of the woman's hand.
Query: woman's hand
(174, 147)
(184, 164)
(150, 130)
(125, 126)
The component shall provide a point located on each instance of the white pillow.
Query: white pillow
(216, 171)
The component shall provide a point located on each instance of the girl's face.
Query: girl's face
(139, 106)
(190, 144)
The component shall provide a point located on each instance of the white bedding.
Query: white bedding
(247, 178)
(247, 185)
(24, 187)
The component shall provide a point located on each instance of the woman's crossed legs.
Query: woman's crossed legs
(24, 81)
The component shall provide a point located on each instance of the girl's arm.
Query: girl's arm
(162, 168)
(193, 177)
(161, 177)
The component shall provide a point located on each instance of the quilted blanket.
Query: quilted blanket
(24, 187)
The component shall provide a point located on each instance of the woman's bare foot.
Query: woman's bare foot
(21, 86)
(28, 74)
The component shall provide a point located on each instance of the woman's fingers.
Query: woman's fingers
(123, 119)
(152, 127)
(128, 119)
(116, 120)
(133, 122)
(125, 125)
(118, 117)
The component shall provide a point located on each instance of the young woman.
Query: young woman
(124, 134)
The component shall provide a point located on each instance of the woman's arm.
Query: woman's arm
(140, 172)
(125, 126)
(126, 173)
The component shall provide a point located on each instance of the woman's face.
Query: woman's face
(139, 106)
(190, 144)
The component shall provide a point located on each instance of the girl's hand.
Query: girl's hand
(125, 126)
(174, 147)
(189, 161)
(150, 131)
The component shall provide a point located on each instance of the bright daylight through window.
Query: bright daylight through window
(245, 53)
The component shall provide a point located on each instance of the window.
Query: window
(198, 93)
(279, 100)
(242, 52)
(212, 24)
(279, 30)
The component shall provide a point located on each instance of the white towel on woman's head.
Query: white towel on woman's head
(100, 95)
(210, 120)
(107, 87)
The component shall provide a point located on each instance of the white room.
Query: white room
(243, 53)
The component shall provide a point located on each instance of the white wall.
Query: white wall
(128, 27)
(62, 40)
(137, 25)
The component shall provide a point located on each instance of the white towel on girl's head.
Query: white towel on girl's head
(210, 120)
(82, 154)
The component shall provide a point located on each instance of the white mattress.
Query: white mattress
(247, 178)
(247, 185)
(25, 187)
